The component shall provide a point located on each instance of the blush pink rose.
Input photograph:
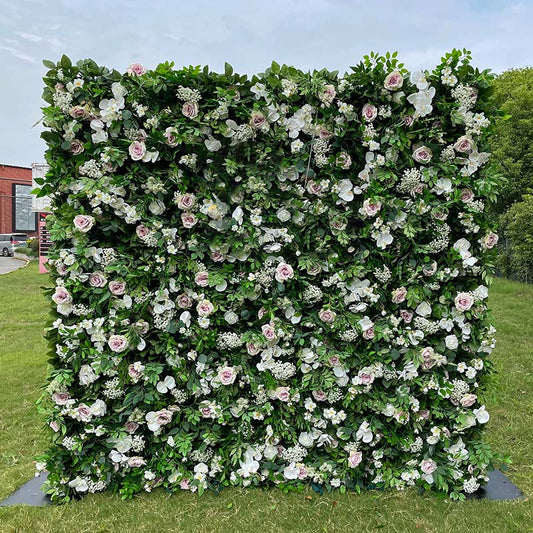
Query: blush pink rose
(227, 375)
(327, 315)
(97, 279)
(464, 145)
(142, 231)
(137, 150)
(117, 343)
(399, 295)
(366, 378)
(171, 135)
(76, 147)
(269, 332)
(319, 395)
(464, 301)
(354, 459)
(257, 120)
(468, 400)
(118, 288)
(61, 296)
(134, 372)
(314, 188)
(284, 272)
(78, 111)
(60, 398)
(490, 240)
(184, 301)
(186, 201)
(205, 308)
(252, 349)
(467, 195)
(428, 466)
(188, 220)
(136, 69)
(324, 133)
(283, 394)
(136, 462)
(393, 81)
(217, 256)
(406, 315)
(368, 333)
(202, 278)
(83, 223)
(84, 412)
(371, 208)
(369, 112)
(422, 154)
(190, 109)
(344, 160)
(131, 427)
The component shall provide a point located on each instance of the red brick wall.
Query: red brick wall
(8, 176)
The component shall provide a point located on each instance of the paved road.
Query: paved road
(8, 264)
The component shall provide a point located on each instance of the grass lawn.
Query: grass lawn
(22, 368)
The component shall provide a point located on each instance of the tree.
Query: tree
(512, 142)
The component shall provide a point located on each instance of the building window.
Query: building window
(24, 219)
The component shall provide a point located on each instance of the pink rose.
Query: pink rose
(190, 109)
(84, 412)
(252, 349)
(135, 372)
(371, 208)
(269, 332)
(314, 188)
(422, 154)
(137, 150)
(136, 462)
(217, 256)
(355, 459)
(399, 295)
(205, 308)
(319, 395)
(227, 375)
(324, 133)
(393, 81)
(283, 394)
(78, 112)
(428, 357)
(368, 333)
(202, 278)
(428, 466)
(468, 400)
(54, 425)
(117, 343)
(328, 94)
(366, 378)
(142, 231)
(490, 240)
(186, 201)
(118, 288)
(76, 147)
(171, 135)
(464, 144)
(423, 414)
(406, 315)
(61, 296)
(369, 112)
(185, 484)
(97, 279)
(163, 417)
(136, 69)
(284, 272)
(131, 427)
(83, 223)
(60, 398)
(327, 316)
(184, 301)
(344, 161)
(257, 120)
(142, 326)
(464, 301)
(188, 220)
(467, 195)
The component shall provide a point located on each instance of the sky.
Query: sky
(249, 34)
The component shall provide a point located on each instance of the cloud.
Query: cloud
(18, 54)
(29, 37)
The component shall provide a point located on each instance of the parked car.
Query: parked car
(9, 242)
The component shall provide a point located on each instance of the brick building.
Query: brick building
(16, 215)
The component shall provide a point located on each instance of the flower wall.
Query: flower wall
(279, 280)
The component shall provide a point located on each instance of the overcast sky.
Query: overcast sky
(249, 34)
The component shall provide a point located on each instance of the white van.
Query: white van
(9, 242)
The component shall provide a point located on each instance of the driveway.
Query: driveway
(8, 264)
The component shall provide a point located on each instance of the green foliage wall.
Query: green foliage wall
(279, 280)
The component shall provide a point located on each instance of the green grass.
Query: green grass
(23, 368)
